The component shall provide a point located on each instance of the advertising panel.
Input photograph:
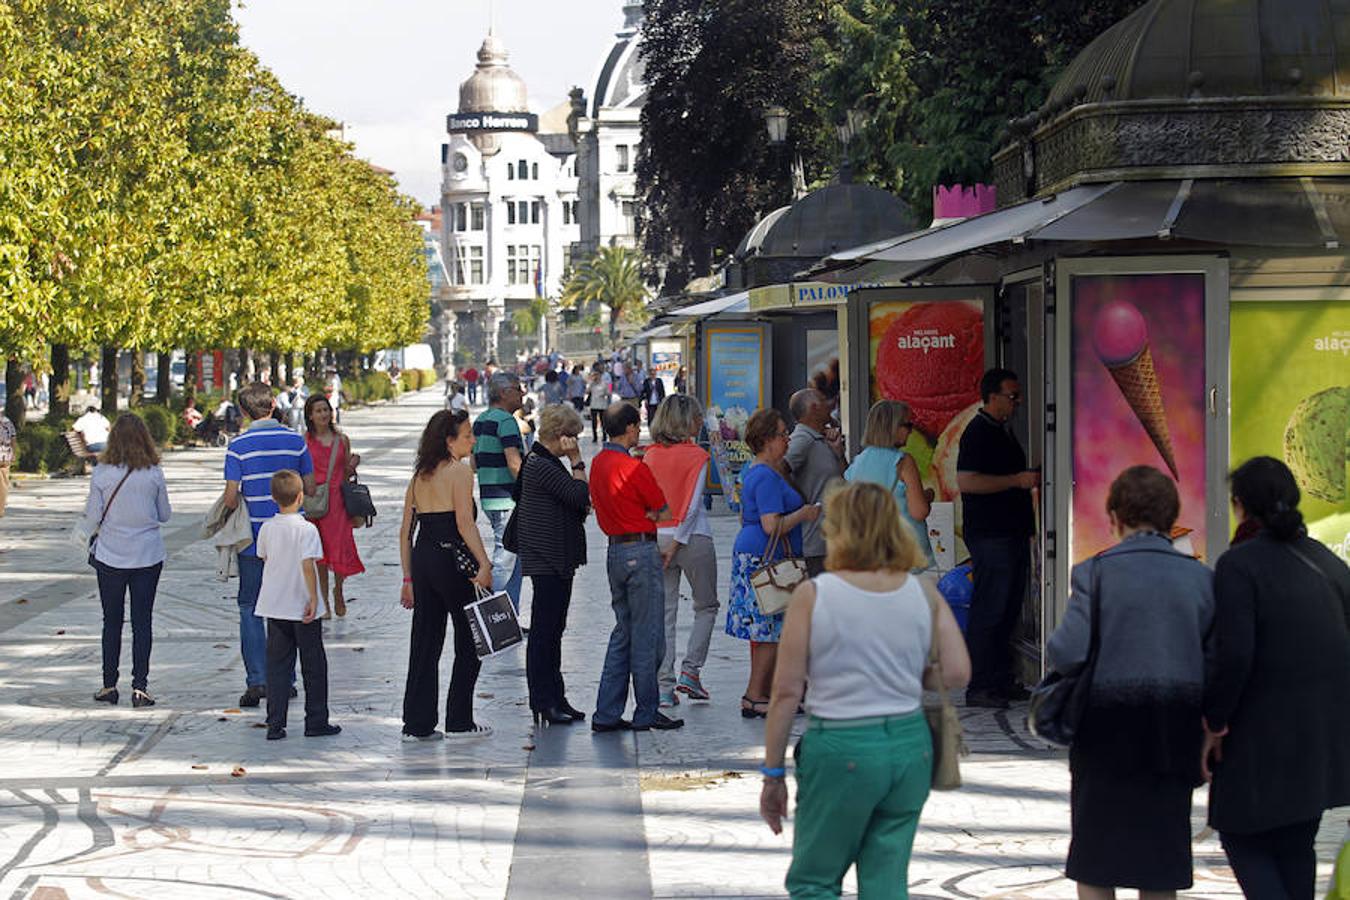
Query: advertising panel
(822, 361)
(1137, 349)
(735, 386)
(1291, 400)
(667, 358)
(930, 354)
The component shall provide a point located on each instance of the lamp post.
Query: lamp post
(848, 128)
(776, 121)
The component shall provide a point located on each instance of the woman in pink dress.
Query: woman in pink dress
(335, 528)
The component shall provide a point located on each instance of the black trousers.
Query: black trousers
(1280, 864)
(1001, 567)
(595, 423)
(286, 637)
(438, 591)
(113, 587)
(543, 652)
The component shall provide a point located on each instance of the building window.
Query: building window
(522, 261)
(628, 209)
(534, 171)
(475, 265)
(477, 215)
(567, 257)
(459, 217)
(523, 212)
(569, 212)
(510, 212)
(510, 172)
(522, 170)
(534, 212)
(623, 157)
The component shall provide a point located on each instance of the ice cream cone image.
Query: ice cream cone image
(1120, 337)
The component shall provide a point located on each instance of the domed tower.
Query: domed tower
(493, 88)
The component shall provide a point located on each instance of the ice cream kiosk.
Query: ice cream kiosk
(1166, 271)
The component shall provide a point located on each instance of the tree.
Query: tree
(611, 277)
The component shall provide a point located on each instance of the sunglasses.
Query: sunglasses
(1014, 396)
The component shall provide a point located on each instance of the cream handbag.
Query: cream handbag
(774, 582)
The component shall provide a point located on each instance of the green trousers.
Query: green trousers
(860, 788)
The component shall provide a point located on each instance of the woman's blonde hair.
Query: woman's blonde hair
(130, 444)
(677, 419)
(559, 420)
(883, 419)
(863, 531)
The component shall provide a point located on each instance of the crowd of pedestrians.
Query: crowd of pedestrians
(1222, 675)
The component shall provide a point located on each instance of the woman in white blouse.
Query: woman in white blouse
(128, 501)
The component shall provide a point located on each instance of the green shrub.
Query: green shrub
(428, 378)
(161, 422)
(408, 380)
(32, 447)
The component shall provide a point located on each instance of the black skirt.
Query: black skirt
(1130, 830)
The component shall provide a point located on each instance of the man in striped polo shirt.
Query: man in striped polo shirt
(497, 455)
(264, 448)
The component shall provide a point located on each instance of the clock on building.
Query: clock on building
(460, 162)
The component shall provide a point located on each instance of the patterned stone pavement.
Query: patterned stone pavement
(188, 800)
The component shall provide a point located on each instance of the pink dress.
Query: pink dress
(335, 528)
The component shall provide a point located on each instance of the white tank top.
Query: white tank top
(868, 650)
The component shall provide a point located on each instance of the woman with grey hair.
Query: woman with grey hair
(554, 500)
(685, 539)
(883, 461)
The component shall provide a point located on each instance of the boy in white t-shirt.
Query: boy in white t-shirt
(289, 545)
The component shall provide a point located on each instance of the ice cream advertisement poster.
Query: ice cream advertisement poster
(736, 387)
(1138, 382)
(930, 355)
(1290, 389)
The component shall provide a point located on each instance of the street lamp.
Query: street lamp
(848, 128)
(776, 120)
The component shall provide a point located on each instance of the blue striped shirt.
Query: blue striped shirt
(265, 448)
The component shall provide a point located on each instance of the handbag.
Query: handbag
(82, 535)
(356, 497)
(511, 533)
(316, 505)
(774, 581)
(493, 623)
(948, 737)
(1059, 702)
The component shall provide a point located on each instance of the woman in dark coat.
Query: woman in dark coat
(551, 541)
(1277, 738)
(1133, 761)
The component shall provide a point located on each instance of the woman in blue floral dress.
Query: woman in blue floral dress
(769, 506)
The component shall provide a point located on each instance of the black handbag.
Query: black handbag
(356, 497)
(1059, 702)
(511, 533)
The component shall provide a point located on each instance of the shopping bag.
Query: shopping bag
(493, 623)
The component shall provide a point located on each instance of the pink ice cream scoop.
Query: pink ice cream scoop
(1120, 333)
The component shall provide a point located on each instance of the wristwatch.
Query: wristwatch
(579, 466)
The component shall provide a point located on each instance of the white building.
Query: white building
(608, 134)
(509, 207)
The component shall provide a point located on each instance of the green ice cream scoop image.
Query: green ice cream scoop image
(1315, 443)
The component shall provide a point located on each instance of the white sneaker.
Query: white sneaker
(419, 738)
(476, 731)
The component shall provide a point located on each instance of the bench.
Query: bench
(81, 451)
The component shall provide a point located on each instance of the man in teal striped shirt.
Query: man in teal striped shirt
(497, 455)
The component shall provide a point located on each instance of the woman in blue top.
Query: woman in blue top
(769, 506)
(883, 461)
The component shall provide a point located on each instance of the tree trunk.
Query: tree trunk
(107, 382)
(59, 383)
(289, 359)
(164, 378)
(189, 378)
(15, 408)
(275, 361)
(370, 360)
(137, 378)
(229, 365)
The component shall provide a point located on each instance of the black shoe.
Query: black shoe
(662, 722)
(1015, 693)
(572, 711)
(253, 696)
(601, 727)
(294, 692)
(141, 698)
(554, 716)
(323, 730)
(986, 700)
(276, 734)
(107, 695)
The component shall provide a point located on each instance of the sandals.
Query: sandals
(753, 709)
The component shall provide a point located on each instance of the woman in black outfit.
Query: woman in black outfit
(1277, 740)
(1133, 762)
(554, 498)
(439, 501)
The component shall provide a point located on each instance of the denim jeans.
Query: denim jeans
(505, 566)
(638, 641)
(252, 630)
(113, 587)
(1001, 566)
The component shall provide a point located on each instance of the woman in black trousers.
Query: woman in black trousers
(554, 498)
(1277, 741)
(439, 501)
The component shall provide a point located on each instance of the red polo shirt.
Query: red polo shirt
(622, 491)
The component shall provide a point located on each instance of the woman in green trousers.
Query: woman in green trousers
(860, 634)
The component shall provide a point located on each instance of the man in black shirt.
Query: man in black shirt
(991, 470)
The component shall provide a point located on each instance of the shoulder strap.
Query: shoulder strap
(332, 456)
(107, 506)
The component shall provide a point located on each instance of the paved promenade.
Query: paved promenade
(187, 799)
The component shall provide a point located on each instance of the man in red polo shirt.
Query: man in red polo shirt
(628, 504)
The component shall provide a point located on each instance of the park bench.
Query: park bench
(80, 450)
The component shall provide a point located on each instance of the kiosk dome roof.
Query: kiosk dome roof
(830, 219)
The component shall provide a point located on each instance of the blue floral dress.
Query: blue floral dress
(763, 492)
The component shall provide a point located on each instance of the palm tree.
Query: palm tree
(612, 277)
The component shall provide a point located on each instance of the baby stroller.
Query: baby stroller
(218, 429)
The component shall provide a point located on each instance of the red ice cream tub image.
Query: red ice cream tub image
(931, 356)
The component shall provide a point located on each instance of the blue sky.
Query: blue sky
(391, 70)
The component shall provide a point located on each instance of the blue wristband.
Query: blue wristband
(779, 772)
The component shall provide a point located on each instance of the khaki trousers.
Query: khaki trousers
(4, 488)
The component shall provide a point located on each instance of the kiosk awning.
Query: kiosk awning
(731, 303)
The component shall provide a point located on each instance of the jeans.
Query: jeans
(1001, 567)
(113, 585)
(252, 631)
(472, 388)
(697, 560)
(1280, 864)
(505, 565)
(637, 643)
(284, 639)
(543, 653)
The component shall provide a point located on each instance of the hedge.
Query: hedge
(42, 448)
(161, 422)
